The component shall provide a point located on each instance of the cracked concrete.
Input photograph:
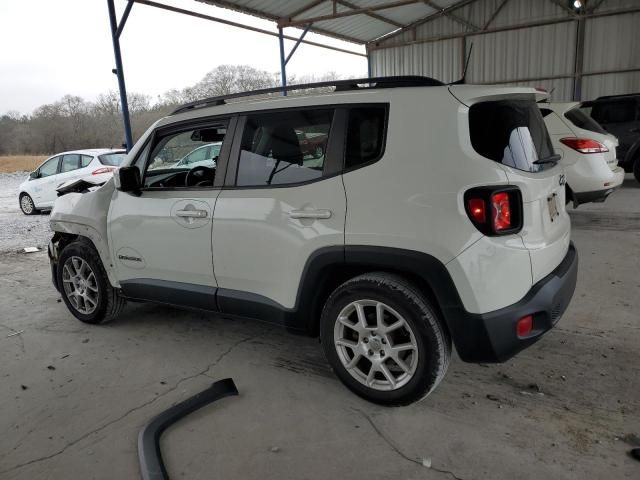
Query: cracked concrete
(81, 420)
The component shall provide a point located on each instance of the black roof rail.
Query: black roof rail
(340, 86)
(613, 97)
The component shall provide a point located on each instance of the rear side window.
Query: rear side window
(284, 147)
(112, 159)
(584, 121)
(511, 132)
(614, 112)
(70, 162)
(86, 160)
(365, 135)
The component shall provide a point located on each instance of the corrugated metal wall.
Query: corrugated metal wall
(526, 56)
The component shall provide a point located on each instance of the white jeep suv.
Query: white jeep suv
(434, 214)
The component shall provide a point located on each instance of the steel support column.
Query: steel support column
(119, 70)
(579, 63)
(283, 63)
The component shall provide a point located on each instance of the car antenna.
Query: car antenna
(462, 80)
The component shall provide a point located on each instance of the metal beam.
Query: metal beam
(119, 71)
(283, 63)
(290, 22)
(123, 19)
(240, 25)
(579, 60)
(453, 16)
(260, 14)
(381, 44)
(423, 20)
(370, 14)
(494, 14)
(565, 7)
(560, 77)
(295, 47)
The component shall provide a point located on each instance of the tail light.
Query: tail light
(495, 210)
(103, 170)
(584, 145)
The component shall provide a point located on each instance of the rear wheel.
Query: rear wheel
(84, 284)
(26, 205)
(384, 340)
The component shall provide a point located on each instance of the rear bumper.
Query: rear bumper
(491, 337)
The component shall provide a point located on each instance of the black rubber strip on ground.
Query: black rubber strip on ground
(151, 465)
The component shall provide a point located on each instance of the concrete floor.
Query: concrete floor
(74, 397)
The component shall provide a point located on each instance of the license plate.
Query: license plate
(552, 205)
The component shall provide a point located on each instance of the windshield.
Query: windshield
(581, 120)
(112, 159)
(511, 132)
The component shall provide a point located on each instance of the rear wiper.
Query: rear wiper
(550, 159)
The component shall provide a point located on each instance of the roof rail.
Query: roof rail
(610, 97)
(340, 86)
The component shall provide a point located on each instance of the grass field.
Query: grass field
(20, 163)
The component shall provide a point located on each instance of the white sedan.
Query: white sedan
(588, 152)
(38, 192)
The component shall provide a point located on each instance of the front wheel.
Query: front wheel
(26, 204)
(384, 340)
(84, 284)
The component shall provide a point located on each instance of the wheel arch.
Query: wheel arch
(325, 271)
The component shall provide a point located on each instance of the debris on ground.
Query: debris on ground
(30, 250)
(65, 355)
(635, 453)
(85, 340)
(15, 333)
(51, 367)
(23, 387)
(274, 449)
(426, 462)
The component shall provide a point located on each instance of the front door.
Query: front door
(161, 239)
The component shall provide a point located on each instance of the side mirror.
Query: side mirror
(33, 175)
(127, 179)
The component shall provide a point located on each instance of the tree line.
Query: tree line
(74, 122)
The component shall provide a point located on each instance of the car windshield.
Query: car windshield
(581, 120)
(112, 159)
(511, 132)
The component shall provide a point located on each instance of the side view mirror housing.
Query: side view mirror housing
(127, 179)
(33, 175)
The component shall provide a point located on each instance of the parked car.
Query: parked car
(620, 116)
(39, 191)
(436, 215)
(588, 152)
(206, 155)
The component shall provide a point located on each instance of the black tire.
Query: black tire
(25, 201)
(109, 300)
(432, 339)
(636, 168)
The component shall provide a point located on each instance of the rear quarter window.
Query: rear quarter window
(112, 159)
(581, 120)
(511, 132)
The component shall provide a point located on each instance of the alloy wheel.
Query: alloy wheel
(376, 345)
(80, 285)
(26, 204)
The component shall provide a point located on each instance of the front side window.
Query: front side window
(365, 135)
(70, 162)
(50, 167)
(511, 132)
(170, 162)
(284, 147)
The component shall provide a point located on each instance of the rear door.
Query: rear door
(512, 132)
(281, 205)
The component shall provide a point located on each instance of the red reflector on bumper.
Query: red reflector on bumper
(524, 326)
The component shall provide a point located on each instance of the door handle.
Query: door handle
(191, 213)
(314, 214)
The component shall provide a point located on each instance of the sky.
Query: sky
(50, 48)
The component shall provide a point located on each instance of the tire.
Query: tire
(426, 344)
(102, 303)
(26, 204)
(636, 168)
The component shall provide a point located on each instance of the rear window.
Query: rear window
(112, 159)
(620, 111)
(584, 121)
(511, 132)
